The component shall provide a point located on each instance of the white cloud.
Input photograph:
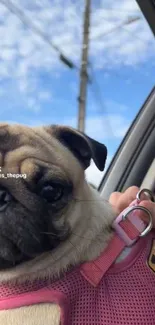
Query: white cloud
(114, 106)
(98, 127)
(44, 96)
(32, 104)
(24, 55)
(94, 175)
(107, 126)
(2, 92)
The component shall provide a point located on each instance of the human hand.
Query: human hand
(120, 201)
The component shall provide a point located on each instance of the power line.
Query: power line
(97, 95)
(131, 33)
(122, 26)
(107, 8)
(116, 27)
(27, 22)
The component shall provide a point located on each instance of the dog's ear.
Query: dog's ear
(83, 147)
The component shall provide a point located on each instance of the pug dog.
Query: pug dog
(50, 218)
(52, 222)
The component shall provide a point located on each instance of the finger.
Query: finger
(131, 193)
(122, 200)
(127, 197)
(114, 197)
(114, 200)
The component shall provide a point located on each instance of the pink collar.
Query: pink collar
(128, 228)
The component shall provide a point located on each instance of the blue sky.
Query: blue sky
(36, 88)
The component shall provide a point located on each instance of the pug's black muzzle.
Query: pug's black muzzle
(25, 235)
(22, 241)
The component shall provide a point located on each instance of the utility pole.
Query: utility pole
(83, 69)
(84, 77)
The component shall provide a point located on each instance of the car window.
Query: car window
(125, 77)
(38, 87)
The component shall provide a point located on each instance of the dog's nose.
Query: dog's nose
(5, 198)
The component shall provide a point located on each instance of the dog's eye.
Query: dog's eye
(5, 198)
(52, 193)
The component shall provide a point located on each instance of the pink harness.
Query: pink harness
(101, 292)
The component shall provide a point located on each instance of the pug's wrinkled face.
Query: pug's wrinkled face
(41, 171)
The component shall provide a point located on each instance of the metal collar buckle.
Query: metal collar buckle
(139, 224)
(144, 190)
(150, 224)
